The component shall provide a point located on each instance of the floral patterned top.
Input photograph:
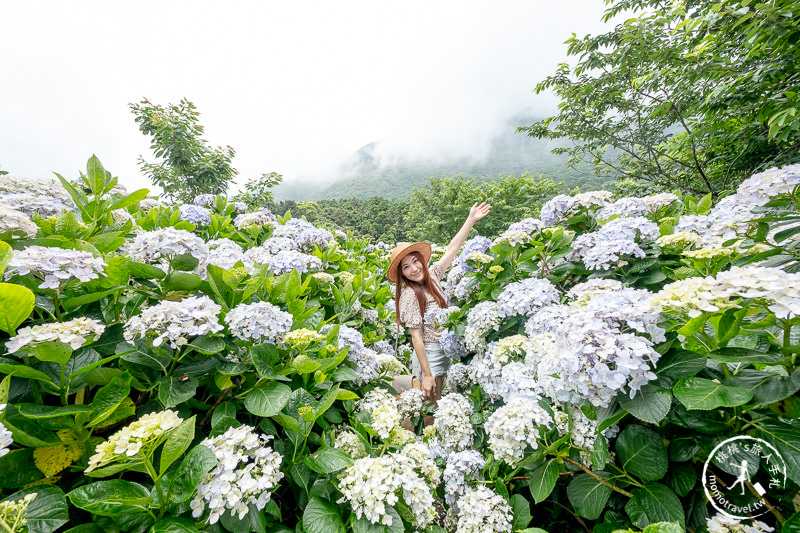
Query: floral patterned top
(409, 310)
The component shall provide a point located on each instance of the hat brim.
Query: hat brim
(422, 247)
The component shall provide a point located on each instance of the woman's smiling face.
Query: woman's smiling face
(412, 268)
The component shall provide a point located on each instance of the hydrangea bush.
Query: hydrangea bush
(198, 368)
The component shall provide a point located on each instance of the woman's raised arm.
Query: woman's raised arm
(476, 213)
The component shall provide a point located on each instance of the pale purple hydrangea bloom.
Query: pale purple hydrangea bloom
(194, 214)
(259, 322)
(527, 225)
(453, 345)
(165, 244)
(203, 200)
(364, 359)
(288, 260)
(476, 244)
(55, 265)
(635, 207)
(47, 197)
(273, 245)
(239, 207)
(459, 466)
(524, 297)
(563, 206)
(618, 238)
(16, 222)
(383, 346)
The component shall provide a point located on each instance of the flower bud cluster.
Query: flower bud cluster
(256, 218)
(12, 513)
(300, 339)
(349, 443)
(141, 436)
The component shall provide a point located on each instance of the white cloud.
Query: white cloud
(294, 87)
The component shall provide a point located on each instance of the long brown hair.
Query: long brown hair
(419, 289)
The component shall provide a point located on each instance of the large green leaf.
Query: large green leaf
(18, 469)
(197, 463)
(207, 345)
(322, 516)
(677, 364)
(267, 399)
(47, 512)
(16, 304)
(588, 495)
(786, 438)
(654, 503)
(173, 524)
(705, 394)
(642, 453)
(328, 460)
(543, 480)
(362, 525)
(108, 398)
(178, 441)
(114, 497)
(742, 355)
(253, 520)
(767, 387)
(651, 403)
(173, 391)
(522, 512)
(37, 411)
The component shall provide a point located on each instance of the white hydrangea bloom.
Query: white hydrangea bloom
(570, 420)
(175, 321)
(458, 378)
(451, 420)
(248, 472)
(165, 244)
(382, 407)
(692, 296)
(364, 360)
(75, 332)
(278, 244)
(721, 523)
(147, 204)
(389, 364)
(634, 207)
(524, 297)
(410, 403)
(483, 318)
(55, 265)
(141, 436)
(481, 510)
(16, 222)
(618, 238)
(507, 349)
(459, 466)
(349, 443)
(6, 439)
(288, 260)
(224, 253)
(257, 218)
(421, 454)
(13, 513)
(373, 484)
(258, 322)
(323, 278)
(514, 426)
(513, 238)
(780, 289)
(47, 197)
(195, 214)
(517, 379)
(680, 241)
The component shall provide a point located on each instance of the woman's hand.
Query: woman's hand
(477, 212)
(428, 387)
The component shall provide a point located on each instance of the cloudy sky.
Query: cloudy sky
(294, 87)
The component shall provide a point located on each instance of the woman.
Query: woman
(418, 290)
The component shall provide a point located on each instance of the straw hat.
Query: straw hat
(402, 250)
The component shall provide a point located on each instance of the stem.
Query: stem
(598, 478)
(216, 404)
(154, 476)
(576, 517)
(6, 527)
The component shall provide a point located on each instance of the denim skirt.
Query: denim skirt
(438, 362)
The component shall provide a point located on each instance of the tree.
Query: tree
(257, 193)
(437, 211)
(692, 95)
(189, 166)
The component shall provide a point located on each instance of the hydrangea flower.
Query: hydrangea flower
(55, 265)
(481, 510)
(303, 233)
(618, 238)
(165, 244)
(517, 379)
(438, 317)
(460, 466)
(677, 242)
(6, 439)
(453, 345)
(421, 454)
(375, 484)
(140, 437)
(409, 403)
(239, 207)
(300, 339)
(721, 523)
(323, 278)
(146, 204)
(349, 443)
(527, 225)
(512, 238)
(364, 360)
(224, 253)
(483, 318)
(636, 207)
(454, 431)
(389, 365)
(288, 260)
(514, 427)
(175, 322)
(570, 420)
(75, 332)
(13, 513)
(47, 197)
(563, 206)
(476, 244)
(458, 378)
(194, 214)
(258, 322)
(16, 222)
(382, 407)
(384, 346)
(274, 245)
(523, 297)
(257, 218)
(507, 349)
(247, 473)
(203, 200)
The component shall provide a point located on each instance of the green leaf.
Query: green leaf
(522, 512)
(47, 512)
(654, 503)
(254, 520)
(185, 262)
(742, 355)
(304, 364)
(16, 304)
(95, 176)
(681, 478)
(114, 497)
(37, 411)
(172, 391)
(108, 398)
(588, 495)
(322, 516)
(173, 524)
(145, 271)
(25, 372)
(786, 438)
(265, 356)
(543, 480)
(197, 463)
(705, 394)
(767, 387)
(54, 352)
(6, 254)
(642, 453)
(328, 460)
(651, 403)
(132, 198)
(267, 399)
(83, 299)
(178, 441)
(677, 364)
(29, 433)
(18, 469)
(207, 345)
(182, 281)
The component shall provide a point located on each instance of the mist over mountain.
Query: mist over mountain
(374, 170)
